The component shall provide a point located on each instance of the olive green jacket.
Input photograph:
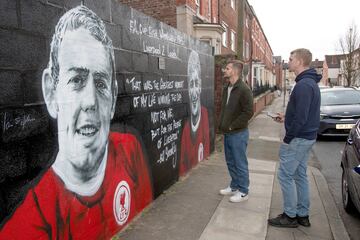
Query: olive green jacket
(236, 114)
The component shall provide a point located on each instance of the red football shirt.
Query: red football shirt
(194, 147)
(50, 211)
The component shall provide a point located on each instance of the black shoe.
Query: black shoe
(283, 220)
(303, 221)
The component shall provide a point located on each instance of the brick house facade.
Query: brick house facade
(228, 16)
(197, 18)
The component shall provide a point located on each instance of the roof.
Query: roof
(317, 64)
(333, 61)
(277, 59)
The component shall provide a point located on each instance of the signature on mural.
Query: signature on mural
(99, 179)
(21, 121)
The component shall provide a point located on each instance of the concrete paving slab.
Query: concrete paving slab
(261, 185)
(240, 220)
(273, 139)
(262, 149)
(279, 234)
(256, 204)
(247, 219)
(291, 234)
(261, 165)
(217, 233)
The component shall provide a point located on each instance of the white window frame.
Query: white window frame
(244, 49)
(232, 4)
(209, 5)
(247, 50)
(197, 2)
(224, 34)
(255, 75)
(232, 40)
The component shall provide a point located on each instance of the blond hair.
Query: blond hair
(304, 55)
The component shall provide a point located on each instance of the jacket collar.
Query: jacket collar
(237, 84)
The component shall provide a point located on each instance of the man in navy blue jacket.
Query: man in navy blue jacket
(302, 120)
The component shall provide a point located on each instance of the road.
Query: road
(328, 151)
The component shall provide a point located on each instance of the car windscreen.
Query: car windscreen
(346, 97)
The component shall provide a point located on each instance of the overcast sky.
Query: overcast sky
(314, 24)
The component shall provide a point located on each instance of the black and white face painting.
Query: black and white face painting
(84, 99)
(83, 102)
(194, 83)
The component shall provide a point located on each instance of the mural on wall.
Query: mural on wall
(97, 174)
(195, 140)
(115, 108)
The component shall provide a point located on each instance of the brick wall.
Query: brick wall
(151, 118)
(230, 17)
(163, 10)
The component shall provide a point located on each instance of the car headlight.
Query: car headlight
(323, 116)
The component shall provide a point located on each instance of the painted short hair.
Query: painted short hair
(194, 64)
(303, 54)
(79, 17)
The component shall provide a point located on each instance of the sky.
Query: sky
(313, 24)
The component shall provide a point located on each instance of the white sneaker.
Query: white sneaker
(228, 191)
(239, 197)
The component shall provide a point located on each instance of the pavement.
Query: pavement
(193, 209)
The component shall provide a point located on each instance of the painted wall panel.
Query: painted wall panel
(102, 108)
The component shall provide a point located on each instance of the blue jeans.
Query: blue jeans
(293, 178)
(235, 145)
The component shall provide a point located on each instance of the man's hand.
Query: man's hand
(280, 118)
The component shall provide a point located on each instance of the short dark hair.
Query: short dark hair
(237, 64)
(73, 19)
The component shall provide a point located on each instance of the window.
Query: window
(224, 35)
(247, 50)
(232, 38)
(197, 2)
(255, 75)
(247, 22)
(244, 49)
(232, 4)
(209, 10)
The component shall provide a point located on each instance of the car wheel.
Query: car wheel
(346, 198)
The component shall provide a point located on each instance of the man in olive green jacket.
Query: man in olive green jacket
(236, 111)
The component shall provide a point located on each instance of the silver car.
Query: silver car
(339, 111)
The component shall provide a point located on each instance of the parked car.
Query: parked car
(350, 164)
(323, 86)
(339, 111)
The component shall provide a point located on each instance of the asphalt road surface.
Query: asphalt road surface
(328, 151)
